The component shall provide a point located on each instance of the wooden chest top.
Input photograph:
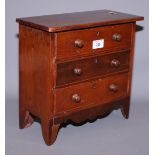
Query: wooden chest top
(78, 20)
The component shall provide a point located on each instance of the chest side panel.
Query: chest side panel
(35, 71)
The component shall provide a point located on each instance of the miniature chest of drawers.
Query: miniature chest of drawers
(74, 67)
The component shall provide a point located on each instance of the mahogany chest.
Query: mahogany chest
(74, 67)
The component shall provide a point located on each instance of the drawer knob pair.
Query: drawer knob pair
(117, 37)
(113, 87)
(115, 63)
(76, 98)
(79, 43)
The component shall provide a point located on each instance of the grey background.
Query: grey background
(112, 135)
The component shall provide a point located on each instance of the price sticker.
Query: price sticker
(98, 44)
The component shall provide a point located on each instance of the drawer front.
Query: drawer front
(86, 94)
(79, 70)
(90, 41)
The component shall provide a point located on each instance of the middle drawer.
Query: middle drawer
(83, 69)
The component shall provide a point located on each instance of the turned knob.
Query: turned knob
(79, 43)
(113, 88)
(76, 98)
(77, 71)
(115, 63)
(117, 37)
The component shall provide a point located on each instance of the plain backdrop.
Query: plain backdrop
(111, 135)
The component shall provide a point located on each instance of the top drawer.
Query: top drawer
(94, 40)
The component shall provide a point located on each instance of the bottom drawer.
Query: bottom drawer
(91, 93)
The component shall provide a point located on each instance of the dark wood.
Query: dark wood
(93, 92)
(91, 67)
(25, 118)
(125, 109)
(35, 80)
(66, 40)
(78, 20)
(49, 131)
(92, 112)
(61, 78)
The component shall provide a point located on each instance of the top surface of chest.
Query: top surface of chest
(78, 20)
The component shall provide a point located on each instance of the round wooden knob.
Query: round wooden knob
(117, 37)
(115, 63)
(79, 43)
(113, 88)
(76, 98)
(77, 71)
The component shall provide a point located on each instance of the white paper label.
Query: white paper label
(98, 44)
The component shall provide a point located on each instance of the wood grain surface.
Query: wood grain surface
(65, 41)
(62, 78)
(78, 20)
(93, 67)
